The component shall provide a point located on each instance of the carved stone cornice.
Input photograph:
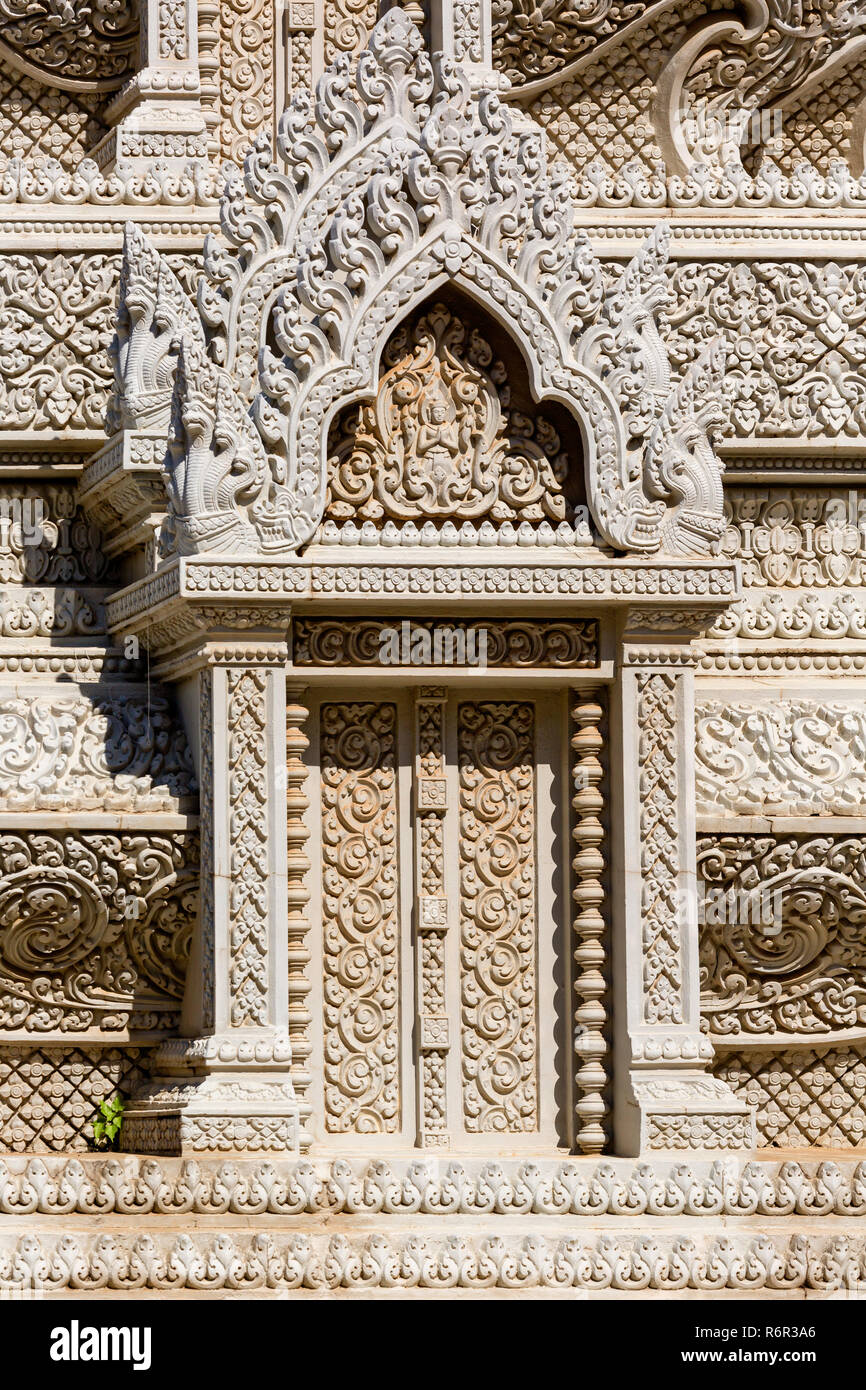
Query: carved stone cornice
(194, 595)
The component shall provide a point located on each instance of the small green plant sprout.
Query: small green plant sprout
(107, 1127)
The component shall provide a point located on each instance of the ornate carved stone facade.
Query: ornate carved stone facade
(433, 640)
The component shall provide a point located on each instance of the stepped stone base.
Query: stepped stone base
(416, 1227)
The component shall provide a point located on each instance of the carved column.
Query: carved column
(664, 1097)
(590, 986)
(298, 895)
(227, 1085)
(431, 907)
(158, 113)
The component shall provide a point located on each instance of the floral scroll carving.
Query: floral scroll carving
(124, 754)
(248, 732)
(58, 310)
(498, 928)
(95, 931)
(358, 641)
(531, 41)
(783, 943)
(657, 714)
(83, 45)
(360, 909)
(795, 343)
(791, 757)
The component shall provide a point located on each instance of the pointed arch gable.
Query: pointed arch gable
(395, 181)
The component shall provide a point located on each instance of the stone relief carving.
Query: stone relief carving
(440, 440)
(358, 641)
(729, 67)
(794, 538)
(360, 918)
(795, 616)
(88, 44)
(802, 1098)
(245, 74)
(39, 124)
(662, 968)
(134, 1186)
(529, 43)
(347, 23)
(58, 311)
(288, 1262)
(790, 758)
(431, 803)
(124, 753)
(95, 930)
(49, 1096)
(154, 311)
(45, 537)
(794, 343)
(820, 128)
(326, 305)
(498, 924)
(248, 794)
(783, 949)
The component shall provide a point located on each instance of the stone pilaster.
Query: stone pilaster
(227, 1085)
(158, 115)
(463, 30)
(664, 1095)
(431, 906)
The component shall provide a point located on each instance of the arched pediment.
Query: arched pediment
(394, 182)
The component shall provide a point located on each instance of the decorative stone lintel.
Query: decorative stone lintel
(664, 1097)
(227, 1085)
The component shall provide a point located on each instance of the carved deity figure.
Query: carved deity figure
(440, 440)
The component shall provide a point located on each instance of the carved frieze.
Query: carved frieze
(95, 930)
(797, 538)
(389, 641)
(120, 753)
(784, 757)
(783, 940)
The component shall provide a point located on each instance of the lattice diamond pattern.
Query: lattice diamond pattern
(49, 1096)
(37, 121)
(603, 113)
(802, 1098)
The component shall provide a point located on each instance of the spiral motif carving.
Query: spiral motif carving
(50, 919)
(498, 929)
(361, 934)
